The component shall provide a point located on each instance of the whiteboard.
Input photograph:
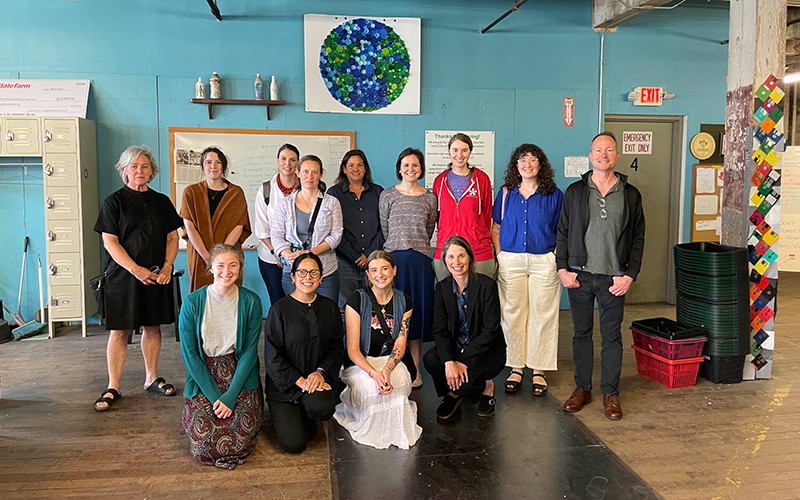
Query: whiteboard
(252, 158)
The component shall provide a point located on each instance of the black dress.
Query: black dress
(141, 220)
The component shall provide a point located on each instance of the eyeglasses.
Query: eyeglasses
(532, 161)
(603, 213)
(155, 269)
(314, 273)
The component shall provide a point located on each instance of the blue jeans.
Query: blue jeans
(328, 287)
(351, 278)
(272, 274)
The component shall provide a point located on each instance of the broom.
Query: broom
(32, 327)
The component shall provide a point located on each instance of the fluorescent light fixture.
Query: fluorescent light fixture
(792, 78)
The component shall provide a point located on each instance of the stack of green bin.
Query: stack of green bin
(712, 285)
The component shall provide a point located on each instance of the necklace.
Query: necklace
(216, 193)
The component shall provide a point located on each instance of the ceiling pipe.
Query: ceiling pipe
(517, 5)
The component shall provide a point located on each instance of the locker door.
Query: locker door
(61, 203)
(21, 137)
(64, 268)
(65, 302)
(63, 236)
(60, 170)
(60, 136)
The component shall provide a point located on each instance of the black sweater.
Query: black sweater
(298, 339)
(574, 222)
(483, 317)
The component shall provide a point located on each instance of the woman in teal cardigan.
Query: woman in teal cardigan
(224, 403)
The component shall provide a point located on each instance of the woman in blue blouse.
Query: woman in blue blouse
(525, 216)
(359, 198)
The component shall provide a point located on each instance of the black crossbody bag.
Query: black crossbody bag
(307, 243)
(388, 346)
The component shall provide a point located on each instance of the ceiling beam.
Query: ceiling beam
(611, 13)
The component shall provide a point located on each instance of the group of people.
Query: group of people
(355, 290)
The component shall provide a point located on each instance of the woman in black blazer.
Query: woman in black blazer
(470, 347)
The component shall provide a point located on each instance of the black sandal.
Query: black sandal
(539, 389)
(108, 401)
(163, 390)
(513, 386)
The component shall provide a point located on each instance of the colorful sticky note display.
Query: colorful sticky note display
(754, 239)
(754, 257)
(762, 247)
(757, 218)
(753, 312)
(777, 95)
(769, 201)
(760, 336)
(761, 114)
(771, 82)
(763, 92)
(761, 266)
(775, 175)
(759, 362)
(766, 313)
(771, 237)
(770, 256)
(768, 124)
(766, 145)
(773, 157)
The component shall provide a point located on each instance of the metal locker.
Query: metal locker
(21, 137)
(63, 236)
(60, 136)
(65, 302)
(60, 170)
(61, 202)
(64, 268)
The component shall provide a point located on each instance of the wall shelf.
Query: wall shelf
(257, 102)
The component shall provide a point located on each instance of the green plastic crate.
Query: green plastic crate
(721, 320)
(711, 259)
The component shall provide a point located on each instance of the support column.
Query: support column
(757, 48)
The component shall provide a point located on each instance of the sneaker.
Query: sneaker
(486, 406)
(448, 406)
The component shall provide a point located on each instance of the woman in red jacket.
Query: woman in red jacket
(464, 193)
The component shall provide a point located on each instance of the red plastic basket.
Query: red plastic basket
(670, 373)
(669, 349)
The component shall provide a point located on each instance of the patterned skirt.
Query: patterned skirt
(220, 442)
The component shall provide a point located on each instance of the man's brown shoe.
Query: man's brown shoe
(612, 409)
(578, 399)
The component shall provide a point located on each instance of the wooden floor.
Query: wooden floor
(704, 442)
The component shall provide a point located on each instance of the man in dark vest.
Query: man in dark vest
(600, 247)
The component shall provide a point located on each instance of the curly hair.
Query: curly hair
(547, 183)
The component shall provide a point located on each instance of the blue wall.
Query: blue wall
(144, 56)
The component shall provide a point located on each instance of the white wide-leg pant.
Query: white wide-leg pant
(530, 295)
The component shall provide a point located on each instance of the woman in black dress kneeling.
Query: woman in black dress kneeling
(470, 348)
(303, 353)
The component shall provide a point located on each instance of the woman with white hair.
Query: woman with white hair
(139, 228)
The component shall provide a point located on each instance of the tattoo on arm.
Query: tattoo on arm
(404, 327)
(394, 358)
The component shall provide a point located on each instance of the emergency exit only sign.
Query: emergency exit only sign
(637, 143)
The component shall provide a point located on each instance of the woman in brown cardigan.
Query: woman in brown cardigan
(214, 211)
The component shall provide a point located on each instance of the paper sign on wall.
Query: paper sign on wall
(437, 157)
(575, 166)
(637, 143)
(44, 97)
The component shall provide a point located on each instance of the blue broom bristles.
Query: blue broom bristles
(28, 330)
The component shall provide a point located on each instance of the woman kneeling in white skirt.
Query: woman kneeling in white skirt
(375, 407)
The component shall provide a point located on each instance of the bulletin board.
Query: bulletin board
(707, 202)
(252, 158)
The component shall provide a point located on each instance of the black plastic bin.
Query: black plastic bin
(715, 288)
(722, 369)
(667, 329)
(721, 320)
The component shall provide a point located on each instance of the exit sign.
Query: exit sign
(648, 96)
